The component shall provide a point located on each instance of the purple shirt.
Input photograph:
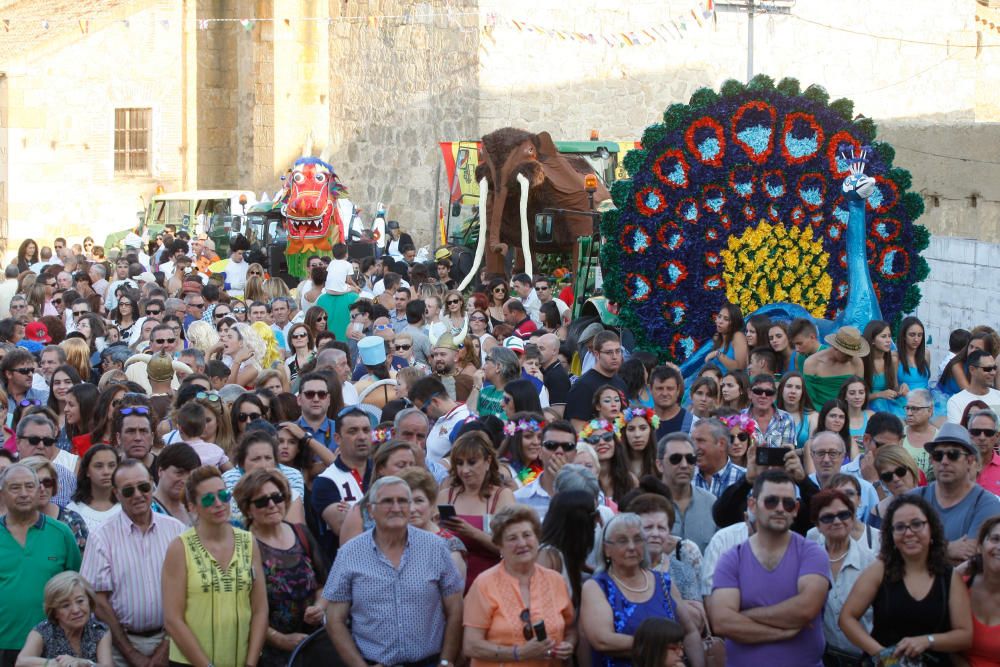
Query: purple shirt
(759, 587)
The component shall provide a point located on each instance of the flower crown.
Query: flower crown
(380, 435)
(742, 421)
(633, 413)
(593, 425)
(530, 425)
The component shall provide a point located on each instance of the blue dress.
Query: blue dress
(894, 406)
(629, 615)
(727, 352)
(913, 378)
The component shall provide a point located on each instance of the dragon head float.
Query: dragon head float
(313, 221)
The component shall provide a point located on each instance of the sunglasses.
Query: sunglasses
(35, 439)
(743, 437)
(381, 327)
(209, 499)
(499, 290)
(321, 318)
(427, 404)
(153, 312)
(594, 439)
(526, 619)
(239, 311)
(787, 504)
(300, 334)
(56, 302)
(979, 432)
(79, 313)
(952, 454)
(827, 519)
(29, 402)
(217, 315)
(987, 369)
(165, 341)
(453, 302)
(260, 503)
(197, 305)
(208, 396)
(553, 445)
(899, 472)
(134, 410)
(141, 487)
(760, 391)
(674, 459)
(248, 416)
(402, 348)
(313, 394)
(47, 482)
(478, 319)
(256, 273)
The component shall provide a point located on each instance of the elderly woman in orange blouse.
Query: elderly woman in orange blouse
(518, 611)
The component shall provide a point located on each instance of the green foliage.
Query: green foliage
(911, 299)
(609, 222)
(817, 94)
(732, 87)
(701, 98)
(653, 134)
(885, 151)
(923, 269)
(914, 205)
(844, 108)
(921, 237)
(678, 115)
(901, 177)
(633, 160)
(621, 192)
(789, 87)
(866, 128)
(761, 82)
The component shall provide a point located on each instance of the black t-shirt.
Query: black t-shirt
(557, 382)
(581, 395)
(675, 423)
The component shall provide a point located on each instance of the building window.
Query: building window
(133, 137)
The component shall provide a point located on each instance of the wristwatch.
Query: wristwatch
(444, 663)
(930, 640)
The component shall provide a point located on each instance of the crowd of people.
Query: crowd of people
(219, 468)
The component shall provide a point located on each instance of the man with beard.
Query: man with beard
(444, 356)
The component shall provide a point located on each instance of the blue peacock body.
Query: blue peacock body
(737, 197)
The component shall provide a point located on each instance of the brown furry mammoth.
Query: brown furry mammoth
(521, 174)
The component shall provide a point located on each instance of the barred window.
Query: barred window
(133, 136)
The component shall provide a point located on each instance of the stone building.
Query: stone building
(230, 89)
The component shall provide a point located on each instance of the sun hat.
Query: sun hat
(849, 341)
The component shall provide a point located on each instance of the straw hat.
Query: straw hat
(849, 341)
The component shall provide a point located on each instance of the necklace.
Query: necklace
(841, 556)
(629, 588)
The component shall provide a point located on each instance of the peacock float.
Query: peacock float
(768, 197)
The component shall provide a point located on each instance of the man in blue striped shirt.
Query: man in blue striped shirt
(716, 472)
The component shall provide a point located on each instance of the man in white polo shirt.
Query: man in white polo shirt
(430, 397)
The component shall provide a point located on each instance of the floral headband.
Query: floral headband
(529, 425)
(742, 421)
(381, 435)
(591, 426)
(634, 413)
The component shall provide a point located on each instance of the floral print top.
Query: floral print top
(55, 643)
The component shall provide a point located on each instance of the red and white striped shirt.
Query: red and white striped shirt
(122, 560)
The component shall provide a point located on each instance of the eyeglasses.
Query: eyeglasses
(987, 369)
(381, 327)
(134, 410)
(674, 459)
(124, 303)
(594, 439)
(915, 526)
(453, 302)
(260, 503)
(29, 402)
(197, 305)
(980, 432)
(916, 408)
(165, 341)
(827, 454)
(313, 394)
(402, 348)
(223, 496)
(153, 312)
(899, 472)
(541, 288)
(760, 391)
(616, 352)
(427, 403)
(47, 482)
(79, 313)
(208, 396)
(248, 416)
(141, 487)
(526, 619)
(499, 290)
(553, 445)
(952, 454)
(623, 542)
(787, 504)
(843, 517)
(239, 311)
(56, 302)
(35, 439)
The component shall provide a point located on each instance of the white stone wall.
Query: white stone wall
(60, 134)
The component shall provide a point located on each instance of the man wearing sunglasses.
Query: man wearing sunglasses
(36, 436)
(314, 402)
(960, 502)
(984, 427)
(675, 459)
(18, 368)
(123, 563)
(982, 376)
(558, 449)
(768, 593)
(776, 426)
(430, 397)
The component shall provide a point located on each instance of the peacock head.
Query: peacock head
(859, 186)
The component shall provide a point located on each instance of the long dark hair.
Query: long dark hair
(101, 422)
(648, 454)
(720, 341)
(937, 557)
(234, 411)
(855, 379)
(920, 356)
(86, 396)
(963, 356)
(512, 444)
(621, 476)
(569, 528)
(524, 394)
(74, 377)
(805, 403)
(872, 329)
(84, 489)
(633, 373)
(23, 249)
(845, 431)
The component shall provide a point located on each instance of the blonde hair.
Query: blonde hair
(279, 372)
(78, 355)
(61, 587)
(276, 287)
(271, 351)
(202, 335)
(896, 455)
(38, 463)
(587, 449)
(252, 340)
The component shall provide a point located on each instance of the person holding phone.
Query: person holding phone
(518, 611)
(775, 427)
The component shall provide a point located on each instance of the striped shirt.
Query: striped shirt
(729, 474)
(125, 562)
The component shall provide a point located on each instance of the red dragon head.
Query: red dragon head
(313, 189)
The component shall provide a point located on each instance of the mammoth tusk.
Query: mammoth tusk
(484, 189)
(525, 241)
(460, 338)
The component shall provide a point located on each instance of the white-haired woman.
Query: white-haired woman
(70, 636)
(242, 350)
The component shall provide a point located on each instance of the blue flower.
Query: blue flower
(709, 148)
(811, 196)
(801, 147)
(757, 137)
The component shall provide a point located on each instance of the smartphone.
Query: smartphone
(540, 633)
(771, 456)
(447, 512)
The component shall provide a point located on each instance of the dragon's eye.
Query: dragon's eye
(298, 177)
(320, 177)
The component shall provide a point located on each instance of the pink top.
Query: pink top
(985, 649)
(10, 440)
(209, 453)
(989, 478)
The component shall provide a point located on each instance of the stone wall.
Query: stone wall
(217, 105)
(61, 99)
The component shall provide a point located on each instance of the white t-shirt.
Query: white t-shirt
(336, 276)
(438, 441)
(94, 518)
(958, 403)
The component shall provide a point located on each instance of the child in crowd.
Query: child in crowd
(218, 374)
(191, 423)
(763, 361)
(340, 273)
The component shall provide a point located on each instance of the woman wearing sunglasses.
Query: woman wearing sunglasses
(239, 310)
(479, 327)
(48, 487)
(497, 294)
(94, 498)
(214, 588)
(454, 311)
(126, 312)
(899, 474)
(317, 319)
(614, 475)
(245, 409)
(294, 569)
(303, 348)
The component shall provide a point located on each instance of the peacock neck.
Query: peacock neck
(862, 303)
